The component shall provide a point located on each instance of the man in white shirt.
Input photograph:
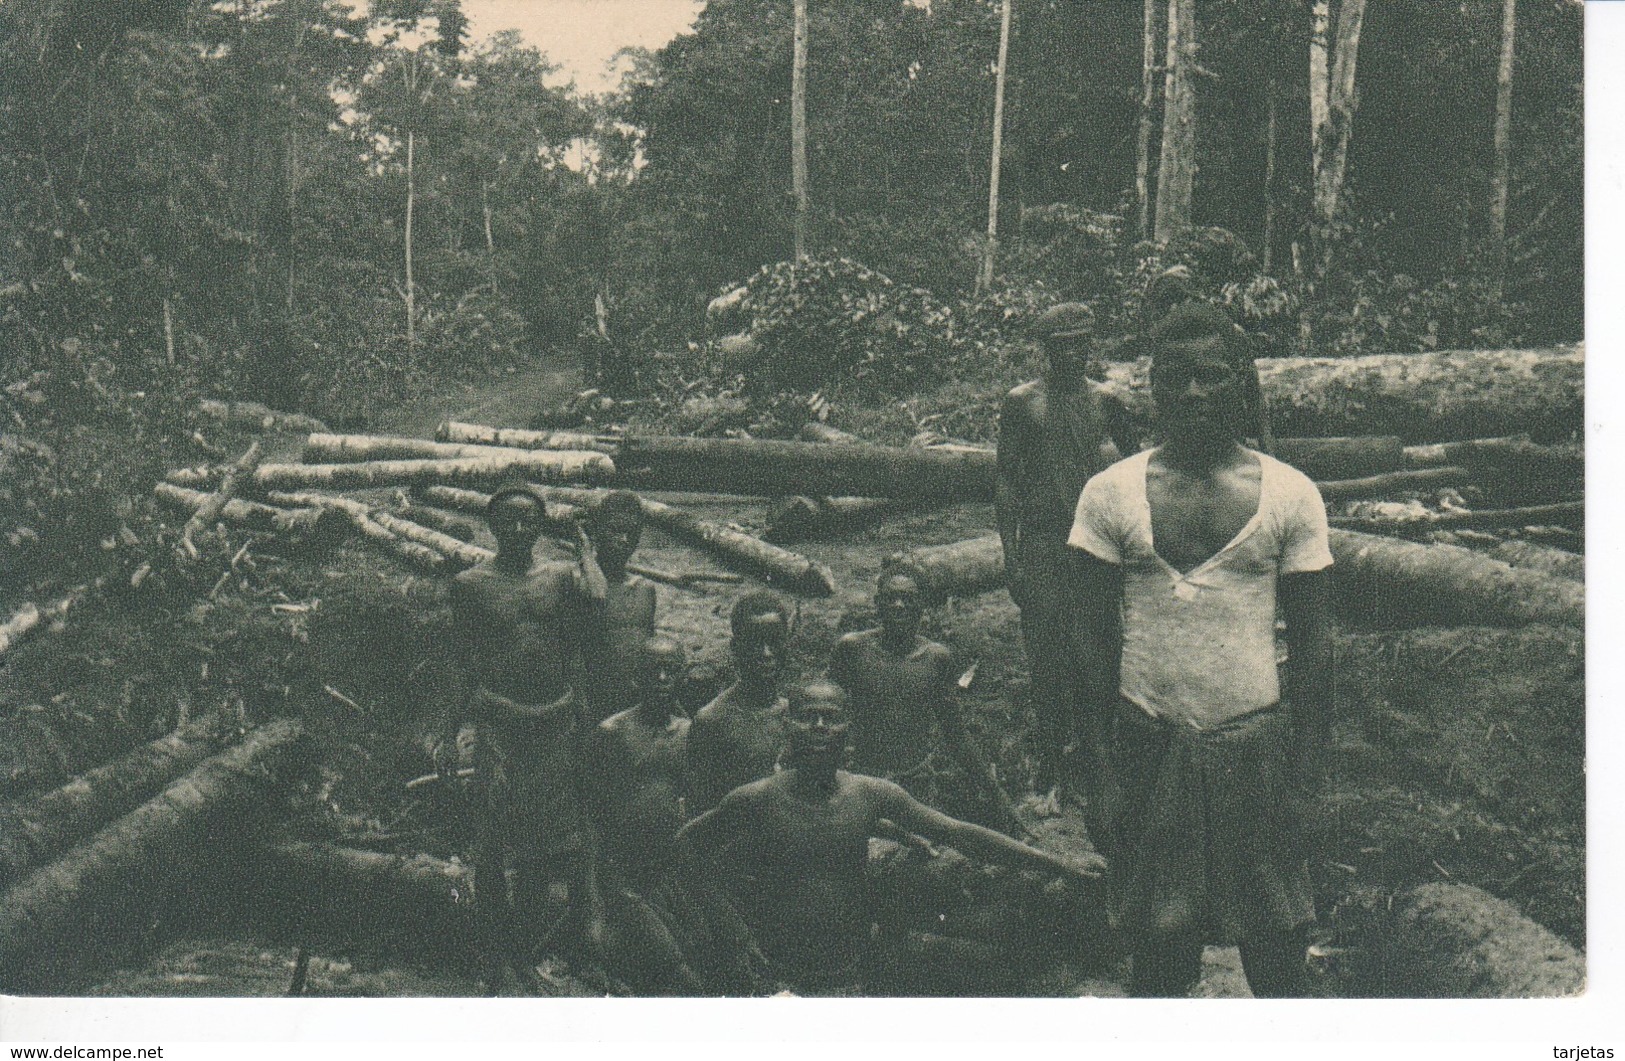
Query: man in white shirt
(1185, 555)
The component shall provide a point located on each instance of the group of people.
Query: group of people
(727, 853)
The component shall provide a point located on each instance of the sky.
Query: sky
(583, 35)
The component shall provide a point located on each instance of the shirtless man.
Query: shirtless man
(902, 685)
(516, 630)
(738, 736)
(615, 638)
(1210, 759)
(1051, 440)
(797, 843)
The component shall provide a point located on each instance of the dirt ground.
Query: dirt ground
(1459, 752)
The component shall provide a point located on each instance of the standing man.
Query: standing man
(902, 688)
(1209, 760)
(614, 642)
(1052, 439)
(517, 634)
(737, 737)
(797, 843)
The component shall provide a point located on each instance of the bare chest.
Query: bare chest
(1193, 517)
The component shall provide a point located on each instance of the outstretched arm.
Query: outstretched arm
(974, 840)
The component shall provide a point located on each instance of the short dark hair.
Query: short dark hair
(616, 503)
(757, 602)
(901, 569)
(802, 692)
(513, 491)
(1194, 321)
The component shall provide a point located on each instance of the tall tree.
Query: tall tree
(1332, 102)
(1176, 172)
(1503, 149)
(984, 281)
(1151, 40)
(798, 126)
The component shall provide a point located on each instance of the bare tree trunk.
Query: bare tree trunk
(1270, 141)
(1503, 148)
(984, 281)
(1152, 34)
(798, 127)
(411, 287)
(1176, 173)
(1331, 79)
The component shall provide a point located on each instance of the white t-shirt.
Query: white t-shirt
(1199, 647)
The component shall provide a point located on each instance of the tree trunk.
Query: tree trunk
(34, 831)
(793, 519)
(1346, 457)
(411, 284)
(457, 552)
(1151, 37)
(515, 438)
(1390, 483)
(208, 513)
(249, 514)
(798, 126)
(252, 416)
(1571, 513)
(1332, 105)
(1459, 394)
(1503, 149)
(548, 466)
(53, 918)
(30, 617)
(360, 517)
(355, 449)
(1396, 582)
(1558, 563)
(1516, 466)
(984, 280)
(459, 526)
(770, 468)
(1273, 94)
(1176, 172)
(560, 519)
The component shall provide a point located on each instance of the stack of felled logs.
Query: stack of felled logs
(1508, 416)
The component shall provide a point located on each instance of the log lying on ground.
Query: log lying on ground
(1571, 513)
(1515, 457)
(1348, 457)
(792, 519)
(479, 434)
(252, 416)
(208, 513)
(548, 466)
(360, 516)
(464, 528)
(560, 517)
(1390, 483)
(339, 896)
(303, 522)
(34, 831)
(1419, 397)
(50, 919)
(30, 618)
(1457, 941)
(1401, 583)
(1558, 563)
(356, 449)
(779, 567)
(768, 468)
(195, 477)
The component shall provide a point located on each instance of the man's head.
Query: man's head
(1203, 379)
(515, 515)
(898, 600)
(761, 635)
(818, 724)
(660, 670)
(1064, 331)
(615, 524)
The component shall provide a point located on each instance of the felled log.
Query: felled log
(1514, 456)
(560, 516)
(479, 434)
(1420, 397)
(30, 618)
(792, 519)
(770, 468)
(773, 565)
(97, 891)
(305, 523)
(1405, 582)
(1390, 483)
(1568, 512)
(550, 466)
(455, 524)
(340, 896)
(208, 513)
(360, 516)
(34, 831)
(1558, 563)
(1348, 457)
(355, 449)
(1400, 582)
(195, 477)
(1457, 941)
(252, 416)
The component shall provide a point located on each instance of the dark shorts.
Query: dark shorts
(1199, 826)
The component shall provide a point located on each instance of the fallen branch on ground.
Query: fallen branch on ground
(453, 431)
(208, 513)
(252, 416)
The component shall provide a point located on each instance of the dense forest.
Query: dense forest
(325, 206)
